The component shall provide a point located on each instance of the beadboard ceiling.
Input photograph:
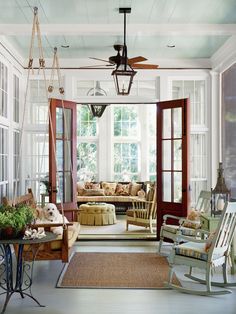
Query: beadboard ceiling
(197, 29)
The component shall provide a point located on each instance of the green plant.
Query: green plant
(16, 218)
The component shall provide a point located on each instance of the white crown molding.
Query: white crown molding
(10, 53)
(117, 29)
(225, 55)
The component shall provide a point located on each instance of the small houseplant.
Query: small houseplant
(14, 220)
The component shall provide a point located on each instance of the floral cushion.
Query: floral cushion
(92, 185)
(183, 230)
(123, 189)
(109, 188)
(194, 216)
(80, 188)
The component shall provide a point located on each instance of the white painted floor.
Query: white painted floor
(114, 301)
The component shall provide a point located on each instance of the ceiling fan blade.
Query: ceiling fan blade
(145, 66)
(98, 66)
(136, 59)
(101, 60)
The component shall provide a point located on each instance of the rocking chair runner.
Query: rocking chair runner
(172, 231)
(206, 254)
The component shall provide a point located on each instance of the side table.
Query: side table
(210, 223)
(16, 284)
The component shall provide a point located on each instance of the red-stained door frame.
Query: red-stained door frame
(54, 104)
(179, 209)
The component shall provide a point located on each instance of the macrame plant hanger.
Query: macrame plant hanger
(36, 33)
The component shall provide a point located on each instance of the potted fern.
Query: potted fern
(13, 220)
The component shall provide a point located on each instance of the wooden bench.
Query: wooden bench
(60, 248)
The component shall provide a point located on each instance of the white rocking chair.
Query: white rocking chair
(206, 254)
(169, 231)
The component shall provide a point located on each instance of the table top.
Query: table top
(50, 236)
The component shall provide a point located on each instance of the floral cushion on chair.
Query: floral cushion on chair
(194, 216)
(109, 188)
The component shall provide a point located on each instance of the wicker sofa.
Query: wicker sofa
(119, 194)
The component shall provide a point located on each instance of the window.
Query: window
(152, 142)
(16, 164)
(3, 162)
(195, 90)
(36, 158)
(16, 99)
(3, 90)
(126, 143)
(87, 147)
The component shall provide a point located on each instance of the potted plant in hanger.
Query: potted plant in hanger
(14, 220)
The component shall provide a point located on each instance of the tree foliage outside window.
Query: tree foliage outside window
(125, 121)
(125, 161)
(87, 149)
(126, 155)
(87, 124)
(152, 124)
(87, 162)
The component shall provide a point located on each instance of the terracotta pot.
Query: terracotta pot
(10, 233)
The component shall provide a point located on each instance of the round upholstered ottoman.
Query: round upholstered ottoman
(97, 214)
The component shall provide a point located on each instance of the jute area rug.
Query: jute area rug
(115, 270)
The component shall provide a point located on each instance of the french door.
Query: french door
(62, 153)
(173, 130)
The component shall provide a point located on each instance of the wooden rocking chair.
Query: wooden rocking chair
(60, 248)
(183, 225)
(206, 254)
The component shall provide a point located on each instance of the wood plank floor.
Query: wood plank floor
(114, 301)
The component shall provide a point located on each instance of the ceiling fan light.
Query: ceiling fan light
(123, 78)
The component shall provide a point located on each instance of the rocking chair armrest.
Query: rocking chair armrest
(167, 216)
(183, 220)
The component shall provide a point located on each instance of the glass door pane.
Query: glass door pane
(63, 166)
(172, 159)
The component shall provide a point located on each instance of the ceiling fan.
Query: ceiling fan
(121, 56)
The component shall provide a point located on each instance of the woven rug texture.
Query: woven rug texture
(115, 270)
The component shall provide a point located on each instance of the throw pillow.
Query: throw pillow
(93, 192)
(122, 189)
(135, 188)
(194, 216)
(141, 194)
(80, 188)
(109, 188)
(92, 185)
(209, 241)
